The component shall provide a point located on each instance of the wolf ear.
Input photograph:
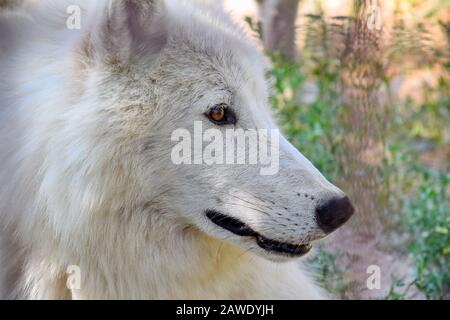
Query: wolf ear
(130, 28)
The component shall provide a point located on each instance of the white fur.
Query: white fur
(85, 172)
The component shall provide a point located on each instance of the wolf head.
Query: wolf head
(145, 69)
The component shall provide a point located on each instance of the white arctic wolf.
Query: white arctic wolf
(86, 180)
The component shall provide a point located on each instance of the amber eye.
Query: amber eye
(217, 113)
(221, 114)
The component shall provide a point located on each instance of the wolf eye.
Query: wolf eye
(221, 114)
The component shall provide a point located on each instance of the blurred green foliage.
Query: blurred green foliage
(417, 195)
(312, 127)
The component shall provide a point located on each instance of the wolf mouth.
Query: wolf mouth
(241, 229)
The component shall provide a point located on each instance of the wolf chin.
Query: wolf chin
(86, 180)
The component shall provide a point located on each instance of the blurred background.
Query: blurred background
(362, 88)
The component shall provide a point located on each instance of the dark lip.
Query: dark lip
(241, 229)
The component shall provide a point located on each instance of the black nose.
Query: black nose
(334, 213)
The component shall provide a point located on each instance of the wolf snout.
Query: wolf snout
(334, 213)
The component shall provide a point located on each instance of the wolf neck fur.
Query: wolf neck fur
(165, 262)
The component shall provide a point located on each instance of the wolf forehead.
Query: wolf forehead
(199, 42)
